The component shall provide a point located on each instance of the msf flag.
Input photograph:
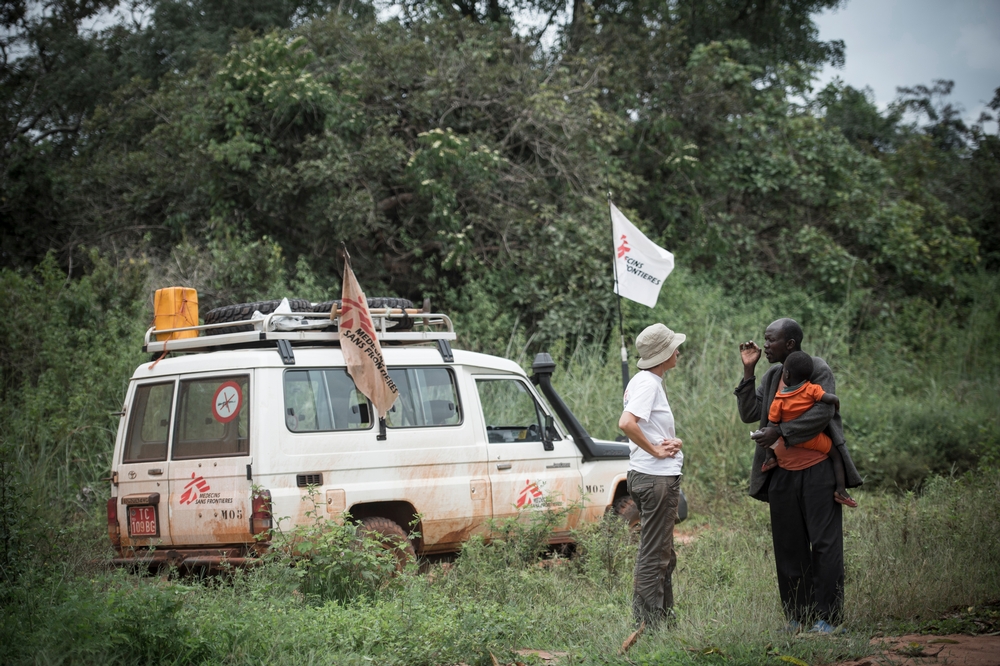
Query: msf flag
(359, 343)
(641, 265)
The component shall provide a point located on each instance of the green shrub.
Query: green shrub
(335, 561)
(605, 551)
(236, 268)
(64, 368)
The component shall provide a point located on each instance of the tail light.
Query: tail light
(260, 520)
(114, 532)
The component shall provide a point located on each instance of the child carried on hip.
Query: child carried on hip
(793, 399)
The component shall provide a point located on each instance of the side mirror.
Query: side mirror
(547, 430)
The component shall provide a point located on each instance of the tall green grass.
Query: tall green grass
(66, 355)
(908, 558)
(915, 554)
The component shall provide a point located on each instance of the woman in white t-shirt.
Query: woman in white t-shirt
(654, 472)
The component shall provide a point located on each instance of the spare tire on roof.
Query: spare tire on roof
(244, 311)
(375, 302)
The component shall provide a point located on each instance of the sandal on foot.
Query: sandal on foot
(844, 499)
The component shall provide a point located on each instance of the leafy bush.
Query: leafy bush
(901, 444)
(515, 544)
(921, 387)
(335, 560)
(605, 551)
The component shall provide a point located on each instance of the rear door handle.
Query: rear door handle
(156, 471)
(503, 465)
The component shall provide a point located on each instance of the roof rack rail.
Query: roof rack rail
(299, 328)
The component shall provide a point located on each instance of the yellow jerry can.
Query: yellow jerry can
(175, 307)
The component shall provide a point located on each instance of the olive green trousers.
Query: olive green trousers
(656, 497)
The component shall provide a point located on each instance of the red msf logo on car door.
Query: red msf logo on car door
(528, 495)
(196, 485)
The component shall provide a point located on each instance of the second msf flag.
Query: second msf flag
(362, 352)
(641, 265)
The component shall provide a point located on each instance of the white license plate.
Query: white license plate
(142, 521)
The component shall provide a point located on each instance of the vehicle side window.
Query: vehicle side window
(427, 397)
(511, 413)
(324, 400)
(150, 423)
(213, 418)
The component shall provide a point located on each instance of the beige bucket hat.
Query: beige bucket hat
(656, 344)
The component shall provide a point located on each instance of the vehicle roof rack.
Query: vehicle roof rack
(300, 328)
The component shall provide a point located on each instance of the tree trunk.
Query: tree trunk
(577, 24)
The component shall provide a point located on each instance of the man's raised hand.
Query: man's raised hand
(750, 354)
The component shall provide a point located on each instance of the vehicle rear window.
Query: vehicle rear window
(150, 423)
(213, 418)
(323, 400)
(427, 397)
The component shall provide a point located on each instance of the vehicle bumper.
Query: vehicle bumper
(187, 559)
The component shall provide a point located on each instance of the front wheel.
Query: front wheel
(625, 508)
(391, 536)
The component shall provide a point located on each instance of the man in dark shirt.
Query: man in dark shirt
(806, 522)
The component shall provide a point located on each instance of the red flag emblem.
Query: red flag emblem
(623, 248)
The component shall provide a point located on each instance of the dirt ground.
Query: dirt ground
(909, 650)
(963, 636)
(922, 650)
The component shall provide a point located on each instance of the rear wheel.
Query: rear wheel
(392, 537)
(625, 508)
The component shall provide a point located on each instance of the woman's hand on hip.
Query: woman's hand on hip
(668, 448)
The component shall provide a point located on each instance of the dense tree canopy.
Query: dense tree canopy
(461, 158)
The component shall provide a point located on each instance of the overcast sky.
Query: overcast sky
(892, 43)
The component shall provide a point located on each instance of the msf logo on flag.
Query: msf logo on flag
(623, 248)
(354, 307)
(641, 265)
(196, 485)
(361, 348)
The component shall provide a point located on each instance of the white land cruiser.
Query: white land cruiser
(223, 436)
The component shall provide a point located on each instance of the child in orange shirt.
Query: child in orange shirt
(795, 398)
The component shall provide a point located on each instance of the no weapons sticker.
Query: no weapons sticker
(227, 402)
